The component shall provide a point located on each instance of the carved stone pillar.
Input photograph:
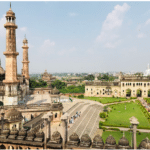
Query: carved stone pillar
(45, 133)
(64, 119)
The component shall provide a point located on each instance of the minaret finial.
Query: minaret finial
(0, 61)
(10, 5)
(25, 36)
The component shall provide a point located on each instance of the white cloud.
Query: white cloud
(141, 35)
(73, 14)
(147, 22)
(48, 46)
(2, 29)
(109, 35)
(23, 29)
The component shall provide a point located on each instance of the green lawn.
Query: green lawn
(117, 135)
(120, 117)
(105, 100)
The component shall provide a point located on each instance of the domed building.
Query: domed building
(12, 119)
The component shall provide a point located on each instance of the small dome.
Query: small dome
(22, 132)
(55, 91)
(13, 114)
(123, 142)
(145, 144)
(14, 132)
(110, 140)
(25, 41)
(40, 134)
(56, 136)
(5, 131)
(31, 133)
(10, 13)
(98, 139)
(74, 137)
(85, 138)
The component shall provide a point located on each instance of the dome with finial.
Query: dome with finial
(25, 41)
(55, 91)
(85, 138)
(145, 144)
(98, 139)
(56, 136)
(74, 137)
(123, 142)
(10, 13)
(110, 140)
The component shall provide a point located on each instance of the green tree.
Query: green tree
(89, 77)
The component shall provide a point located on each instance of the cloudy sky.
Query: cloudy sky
(81, 36)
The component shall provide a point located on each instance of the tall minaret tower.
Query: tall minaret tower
(11, 81)
(25, 62)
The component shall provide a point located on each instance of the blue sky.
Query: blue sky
(81, 36)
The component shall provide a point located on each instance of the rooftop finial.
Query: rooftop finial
(0, 61)
(10, 5)
(25, 36)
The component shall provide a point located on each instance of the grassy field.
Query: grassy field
(117, 135)
(119, 116)
(105, 100)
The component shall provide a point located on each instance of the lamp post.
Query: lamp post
(134, 123)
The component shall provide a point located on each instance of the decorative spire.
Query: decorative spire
(10, 5)
(123, 134)
(25, 36)
(0, 61)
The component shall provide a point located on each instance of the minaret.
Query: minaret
(10, 81)
(25, 62)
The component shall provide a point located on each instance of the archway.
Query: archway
(2, 147)
(56, 115)
(148, 93)
(139, 93)
(128, 92)
(1, 103)
(32, 116)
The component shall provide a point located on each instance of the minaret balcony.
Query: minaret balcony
(10, 24)
(25, 61)
(10, 53)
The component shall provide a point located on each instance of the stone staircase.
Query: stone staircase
(87, 123)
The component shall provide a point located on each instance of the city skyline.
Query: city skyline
(81, 36)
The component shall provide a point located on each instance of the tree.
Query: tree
(89, 77)
(58, 84)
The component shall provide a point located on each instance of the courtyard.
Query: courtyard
(120, 113)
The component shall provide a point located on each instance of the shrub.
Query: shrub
(113, 96)
(103, 115)
(81, 96)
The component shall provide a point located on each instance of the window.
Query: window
(103, 90)
(137, 84)
(91, 89)
(87, 89)
(126, 83)
(123, 90)
(97, 93)
(130, 83)
(141, 83)
(103, 93)
(133, 91)
(133, 84)
(122, 84)
(91, 92)
(144, 84)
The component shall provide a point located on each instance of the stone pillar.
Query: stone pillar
(64, 119)
(49, 127)
(134, 123)
(45, 133)
(2, 118)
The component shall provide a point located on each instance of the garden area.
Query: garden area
(118, 134)
(119, 115)
(105, 100)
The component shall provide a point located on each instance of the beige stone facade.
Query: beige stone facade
(132, 86)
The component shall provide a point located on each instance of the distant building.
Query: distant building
(125, 86)
(147, 72)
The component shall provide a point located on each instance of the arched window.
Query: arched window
(56, 115)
